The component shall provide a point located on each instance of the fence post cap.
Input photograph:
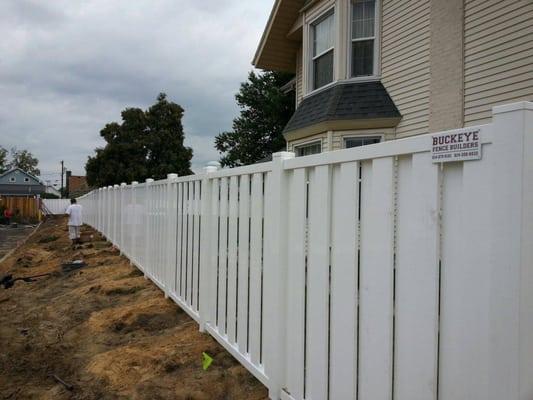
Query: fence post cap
(134, 183)
(172, 176)
(116, 186)
(123, 184)
(283, 155)
(210, 169)
(149, 180)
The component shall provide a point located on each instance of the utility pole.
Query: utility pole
(62, 169)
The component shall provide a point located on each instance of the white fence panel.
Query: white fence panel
(56, 206)
(362, 274)
(417, 279)
(344, 281)
(297, 279)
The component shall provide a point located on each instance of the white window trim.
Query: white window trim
(342, 46)
(307, 144)
(12, 179)
(363, 136)
(377, 47)
(310, 48)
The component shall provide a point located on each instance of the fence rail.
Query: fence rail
(368, 273)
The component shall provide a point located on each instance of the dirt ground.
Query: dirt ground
(103, 329)
(10, 237)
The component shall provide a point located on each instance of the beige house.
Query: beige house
(372, 70)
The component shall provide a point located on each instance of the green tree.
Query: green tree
(147, 144)
(3, 160)
(166, 151)
(258, 130)
(24, 160)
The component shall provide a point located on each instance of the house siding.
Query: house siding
(19, 178)
(299, 77)
(405, 61)
(498, 60)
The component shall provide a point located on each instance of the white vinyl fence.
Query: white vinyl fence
(55, 206)
(368, 273)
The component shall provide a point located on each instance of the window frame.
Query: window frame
(26, 180)
(330, 11)
(12, 179)
(298, 147)
(376, 38)
(346, 138)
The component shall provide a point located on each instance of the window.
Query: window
(322, 40)
(361, 141)
(308, 149)
(12, 179)
(26, 179)
(363, 37)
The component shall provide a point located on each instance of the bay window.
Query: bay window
(322, 39)
(360, 141)
(308, 149)
(363, 37)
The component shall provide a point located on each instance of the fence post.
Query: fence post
(99, 210)
(206, 221)
(134, 222)
(109, 204)
(116, 194)
(511, 305)
(275, 275)
(148, 210)
(170, 255)
(121, 222)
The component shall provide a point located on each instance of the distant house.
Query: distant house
(76, 185)
(52, 190)
(17, 182)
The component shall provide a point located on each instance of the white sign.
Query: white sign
(460, 145)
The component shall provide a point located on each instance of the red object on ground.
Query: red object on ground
(8, 213)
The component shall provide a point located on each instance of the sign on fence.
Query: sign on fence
(461, 145)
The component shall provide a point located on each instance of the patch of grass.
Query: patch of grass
(49, 239)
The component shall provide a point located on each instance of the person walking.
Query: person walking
(8, 214)
(74, 212)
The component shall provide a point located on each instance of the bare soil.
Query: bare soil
(104, 330)
(10, 237)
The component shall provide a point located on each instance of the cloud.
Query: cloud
(69, 67)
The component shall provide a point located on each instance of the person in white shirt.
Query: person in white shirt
(74, 222)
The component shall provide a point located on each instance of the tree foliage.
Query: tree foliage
(147, 144)
(3, 160)
(22, 159)
(257, 131)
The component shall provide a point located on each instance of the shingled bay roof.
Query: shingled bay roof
(352, 101)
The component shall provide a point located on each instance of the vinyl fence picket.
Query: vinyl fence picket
(376, 284)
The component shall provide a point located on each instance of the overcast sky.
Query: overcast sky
(67, 67)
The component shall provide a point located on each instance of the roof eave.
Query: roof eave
(280, 41)
(264, 36)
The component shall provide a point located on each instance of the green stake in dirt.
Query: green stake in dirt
(206, 362)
